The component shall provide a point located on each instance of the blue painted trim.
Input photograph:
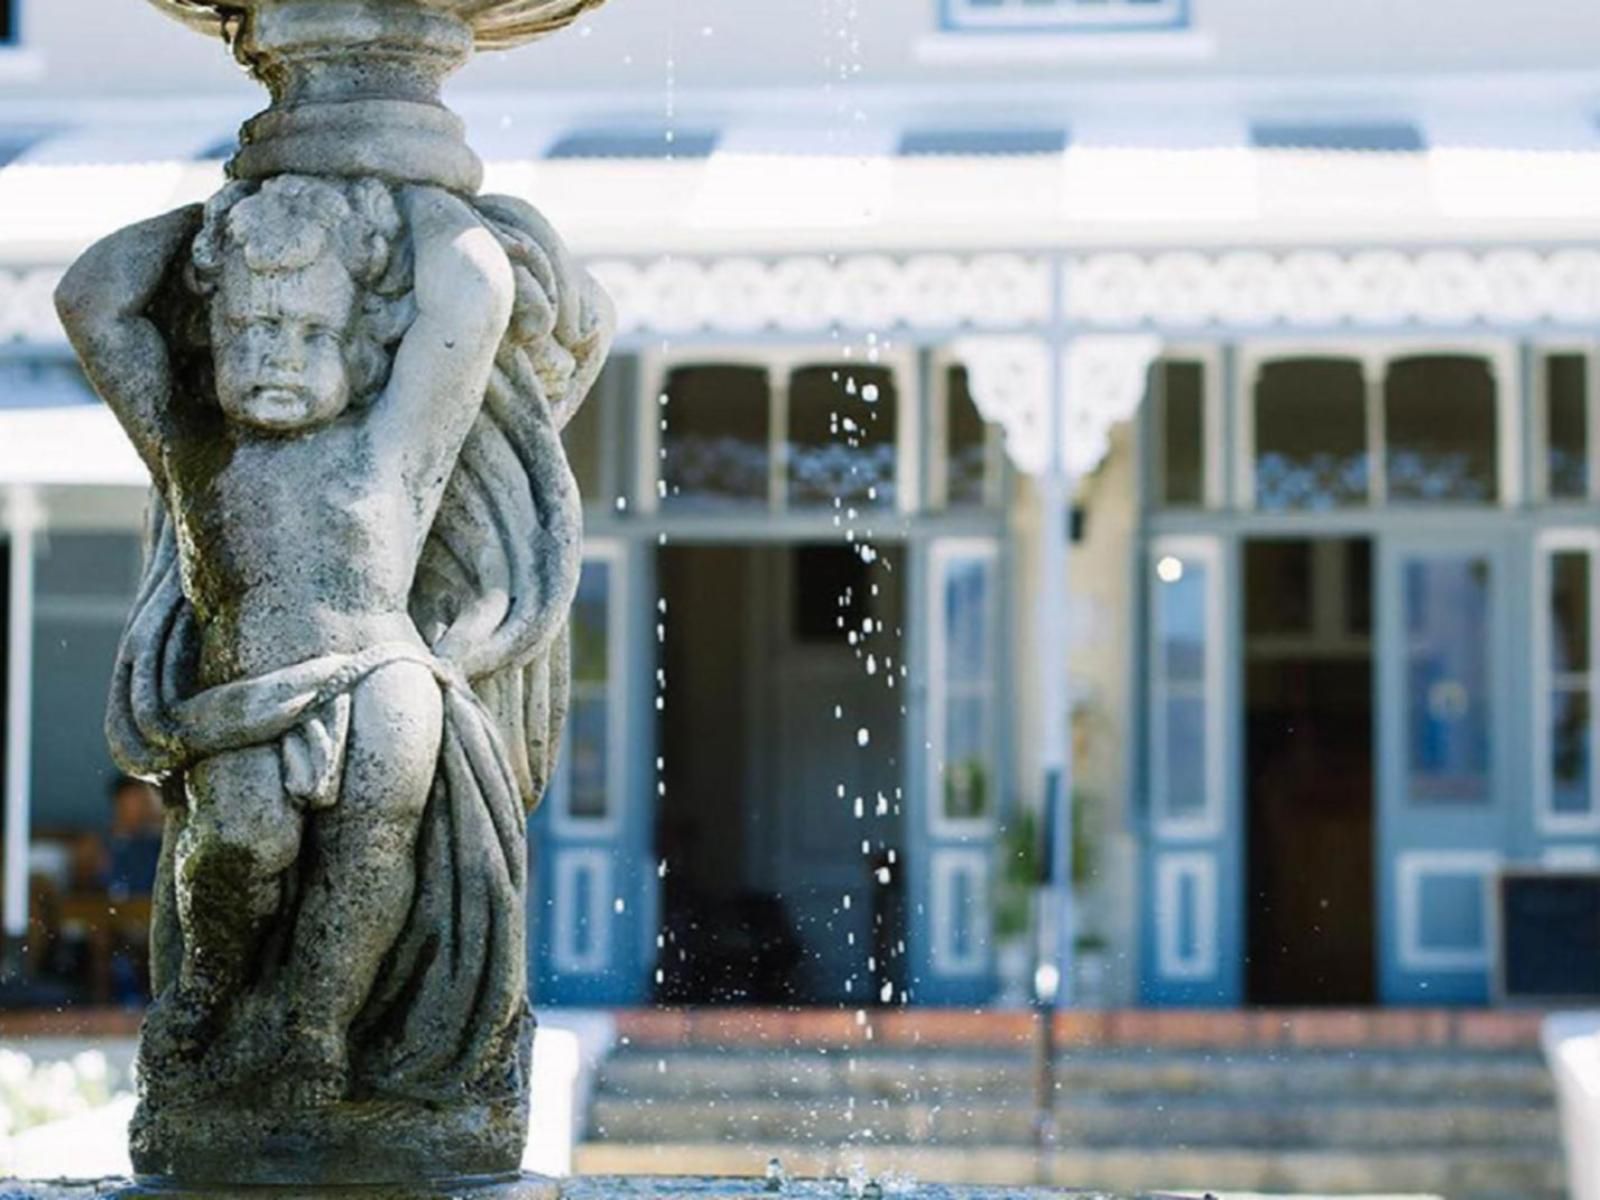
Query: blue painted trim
(950, 21)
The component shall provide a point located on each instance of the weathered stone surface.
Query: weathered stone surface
(526, 1187)
(346, 666)
(629, 1187)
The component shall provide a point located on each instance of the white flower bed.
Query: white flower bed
(38, 1093)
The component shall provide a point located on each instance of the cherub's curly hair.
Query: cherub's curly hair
(288, 223)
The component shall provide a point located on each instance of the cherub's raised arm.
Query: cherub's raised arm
(103, 301)
(464, 291)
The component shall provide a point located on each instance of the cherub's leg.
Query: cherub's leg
(238, 836)
(357, 893)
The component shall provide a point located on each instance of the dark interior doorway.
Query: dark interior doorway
(1309, 771)
(769, 821)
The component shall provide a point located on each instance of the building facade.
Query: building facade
(1137, 410)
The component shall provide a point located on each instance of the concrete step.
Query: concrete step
(932, 1077)
(1480, 1175)
(1083, 1121)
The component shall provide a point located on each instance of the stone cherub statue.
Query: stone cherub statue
(347, 659)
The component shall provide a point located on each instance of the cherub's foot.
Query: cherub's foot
(314, 1071)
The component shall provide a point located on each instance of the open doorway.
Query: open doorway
(768, 822)
(1309, 770)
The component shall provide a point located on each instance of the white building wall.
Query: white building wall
(642, 49)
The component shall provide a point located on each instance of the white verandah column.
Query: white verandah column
(24, 517)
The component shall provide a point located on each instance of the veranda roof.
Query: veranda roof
(1506, 169)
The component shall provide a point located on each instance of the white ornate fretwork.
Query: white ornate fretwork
(1009, 378)
(1104, 380)
(816, 294)
(1248, 289)
(27, 309)
(1107, 376)
(1178, 291)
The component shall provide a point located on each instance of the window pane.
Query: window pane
(1311, 434)
(966, 768)
(582, 440)
(1439, 425)
(590, 628)
(842, 436)
(966, 621)
(1566, 390)
(588, 748)
(1185, 759)
(1182, 604)
(588, 721)
(1278, 583)
(967, 686)
(716, 437)
(1447, 680)
(1569, 612)
(1570, 751)
(1181, 388)
(80, 565)
(967, 444)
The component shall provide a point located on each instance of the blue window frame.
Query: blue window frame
(1089, 16)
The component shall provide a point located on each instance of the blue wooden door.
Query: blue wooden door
(593, 890)
(1193, 943)
(1444, 681)
(955, 742)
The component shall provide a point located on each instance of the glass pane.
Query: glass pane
(588, 748)
(102, 565)
(842, 422)
(1185, 755)
(1278, 587)
(1182, 616)
(582, 440)
(1566, 391)
(967, 440)
(1447, 707)
(1439, 425)
(1569, 612)
(715, 444)
(966, 621)
(1183, 443)
(1358, 586)
(967, 681)
(1311, 434)
(967, 782)
(1570, 751)
(590, 627)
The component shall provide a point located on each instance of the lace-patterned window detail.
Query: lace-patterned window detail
(1311, 434)
(1066, 15)
(842, 426)
(715, 437)
(1440, 432)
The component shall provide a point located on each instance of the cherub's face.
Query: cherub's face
(279, 344)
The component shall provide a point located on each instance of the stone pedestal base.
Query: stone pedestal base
(344, 1145)
(529, 1187)
(524, 1187)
